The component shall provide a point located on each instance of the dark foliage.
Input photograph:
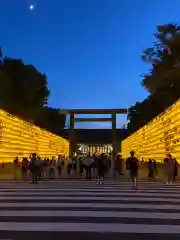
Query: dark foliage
(24, 92)
(51, 120)
(163, 81)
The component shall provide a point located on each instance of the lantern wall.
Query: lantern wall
(20, 138)
(157, 138)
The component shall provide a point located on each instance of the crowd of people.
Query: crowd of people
(99, 165)
(170, 167)
(36, 168)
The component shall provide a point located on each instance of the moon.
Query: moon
(31, 7)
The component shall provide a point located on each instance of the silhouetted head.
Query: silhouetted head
(132, 153)
(169, 155)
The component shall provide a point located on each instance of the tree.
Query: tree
(164, 57)
(163, 80)
(143, 112)
(51, 120)
(23, 89)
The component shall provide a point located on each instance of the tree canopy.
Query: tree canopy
(164, 58)
(163, 80)
(51, 120)
(24, 92)
(23, 89)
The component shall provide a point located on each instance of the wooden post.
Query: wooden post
(114, 134)
(71, 142)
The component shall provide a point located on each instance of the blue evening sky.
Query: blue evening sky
(89, 49)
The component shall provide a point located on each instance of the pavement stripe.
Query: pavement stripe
(90, 205)
(28, 235)
(85, 193)
(85, 190)
(92, 214)
(72, 208)
(73, 181)
(153, 199)
(89, 227)
(80, 220)
(87, 201)
(93, 187)
(115, 206)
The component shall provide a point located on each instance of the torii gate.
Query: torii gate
(112, 119)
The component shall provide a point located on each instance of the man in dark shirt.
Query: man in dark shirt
(132, 164)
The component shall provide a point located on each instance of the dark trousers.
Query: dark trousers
(80, 168)
(24, 174)
(51, 173)
(100, 173)
(59, 170)
(34, 176)
(88, 172)
(69, 168)
(134, 176)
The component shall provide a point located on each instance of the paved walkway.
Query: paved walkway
(80, 209)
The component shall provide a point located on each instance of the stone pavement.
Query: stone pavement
(80, 209)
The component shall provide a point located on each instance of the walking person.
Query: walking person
(109, 162)
(74, 164)
(80, 166)
(151, 169)
(169, 168)
(16, 167)
(101, 168)
(118, 165)
(132, 164)
(94, 165)
(175, 173)
(119, 160)
(60, 165)
(88, 162)
(52, 167)
(155, 167)
(69, 165)
(24, 168)
(34, 168)
(39, 167)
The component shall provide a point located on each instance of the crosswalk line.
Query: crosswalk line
(88, 193)
(86, 207)
(40, 191)
(84, 184)
(94, 188)
(89, 227)
(95, 198)
(91, 214)
(89, 205)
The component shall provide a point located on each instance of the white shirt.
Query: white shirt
(88, 161)
(69, 161)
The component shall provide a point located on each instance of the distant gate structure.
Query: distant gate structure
(74, 119)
